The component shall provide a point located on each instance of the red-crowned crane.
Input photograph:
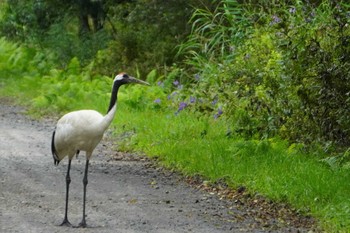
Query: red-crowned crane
(82, 131)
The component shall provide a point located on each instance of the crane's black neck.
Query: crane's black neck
(114, 95)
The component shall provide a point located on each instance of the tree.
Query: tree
(90, 9)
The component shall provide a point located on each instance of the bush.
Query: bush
(145, 36)
(136, 35)
(275, 70)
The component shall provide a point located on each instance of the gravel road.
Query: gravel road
(127, 194)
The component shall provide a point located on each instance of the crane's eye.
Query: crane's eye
(125, 76)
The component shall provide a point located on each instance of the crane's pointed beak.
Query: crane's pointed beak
(135, 80)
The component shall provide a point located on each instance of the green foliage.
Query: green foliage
(319, 70)
(215, 32)
(63, 39)
(274, 68)
(145, 35)
(21, 69)
(138, 35)
(200, 146)
(28, 75)
(26, 20)
(51, 25)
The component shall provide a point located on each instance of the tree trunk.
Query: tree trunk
(94, 10)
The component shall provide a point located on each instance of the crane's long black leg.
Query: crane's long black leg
(85, 182)
(68, 180)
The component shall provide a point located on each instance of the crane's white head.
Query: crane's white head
(124, 78)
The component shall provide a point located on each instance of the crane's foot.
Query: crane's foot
(82, 224)
(66, 223)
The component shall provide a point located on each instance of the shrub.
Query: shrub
(274, 69)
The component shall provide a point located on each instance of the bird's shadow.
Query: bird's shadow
(88, 226)
(77, 226)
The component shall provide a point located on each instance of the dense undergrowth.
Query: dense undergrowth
(259, 95)
(275, 67)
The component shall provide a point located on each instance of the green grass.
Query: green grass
(184, 141)
(269, 167)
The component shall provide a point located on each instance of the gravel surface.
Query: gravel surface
(126, 193)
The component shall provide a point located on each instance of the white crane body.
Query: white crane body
(82, 131)
(70, 137)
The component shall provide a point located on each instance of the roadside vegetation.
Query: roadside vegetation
(255, 93)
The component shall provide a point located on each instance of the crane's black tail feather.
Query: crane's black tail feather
(53, 149)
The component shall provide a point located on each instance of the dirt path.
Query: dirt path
(123, 195)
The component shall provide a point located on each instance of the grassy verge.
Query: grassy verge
(268, 167)
(192, 144)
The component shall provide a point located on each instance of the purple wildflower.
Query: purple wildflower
(182, 106)
(338, 7)
(219, 113)
(176, 82)
(171, 95)
(313, 14)
(157, 101)
(215, 101)
(160, 83)
(192, 99)
(292, 10)
(197, 77)
(275, 20)
(232, 49)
